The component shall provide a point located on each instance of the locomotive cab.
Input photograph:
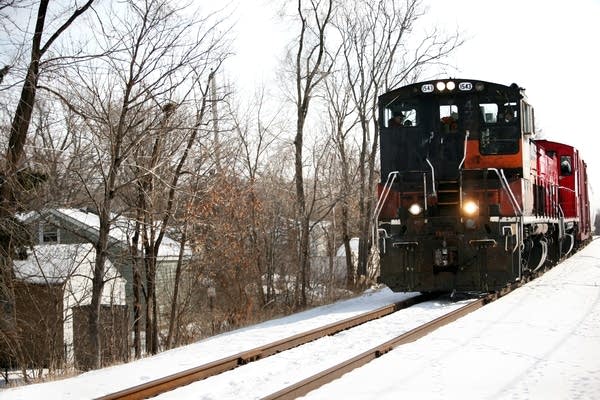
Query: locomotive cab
(452, 127)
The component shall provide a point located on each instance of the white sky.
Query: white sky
(540, 342)
(549, 47)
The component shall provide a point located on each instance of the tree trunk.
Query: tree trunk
(173, 314)
(363, 235)
(306, 82)
(16, 144)
(350, 278)
(101, 245)
(137, 309)
(151, 323)
(137, 289)
(301, 210)
(22, 118)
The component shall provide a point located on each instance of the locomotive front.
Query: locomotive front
(450, 210)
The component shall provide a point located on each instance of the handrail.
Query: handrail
(515, 206)
(464, 151)
(432, 176)
(387, 188)
(510, 192)
(561, 222)
(567, 189)
(504, 182)
(425, 191)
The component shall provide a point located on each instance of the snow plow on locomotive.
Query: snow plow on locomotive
(469, 200)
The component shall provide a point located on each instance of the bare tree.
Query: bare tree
(256, 132)
(156, 228)
(312, 64)
(63, 156)
(15, 179)
(342, 120)
(22, 116)
(378, 56)
(157, 55)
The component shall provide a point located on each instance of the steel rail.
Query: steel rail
(305, 386)
(173, 381)
(314, 382)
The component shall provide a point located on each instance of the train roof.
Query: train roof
(556, 145)
(447, 86)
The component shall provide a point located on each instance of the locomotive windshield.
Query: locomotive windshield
(499, 130)
(401, 114)
(429, 126)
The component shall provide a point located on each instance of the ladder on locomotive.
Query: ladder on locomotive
(448, 197)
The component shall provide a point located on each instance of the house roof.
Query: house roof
(122, 230)
(54, 264)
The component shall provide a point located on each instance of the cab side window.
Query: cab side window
(527, 119)
(509, 114)
(566, 166)
(400, 115)
(488, 113)
(449, 117)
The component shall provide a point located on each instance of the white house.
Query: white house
(72, 267)
(71, 225)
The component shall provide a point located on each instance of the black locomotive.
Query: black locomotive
(469, 199)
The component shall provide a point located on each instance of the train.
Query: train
(469, 199)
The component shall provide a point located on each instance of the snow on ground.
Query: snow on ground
(109, 380)
(263, 377)
(539, 342)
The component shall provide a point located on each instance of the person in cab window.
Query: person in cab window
(396, 120)
(450, 123)
(508, 116)
(565, 167)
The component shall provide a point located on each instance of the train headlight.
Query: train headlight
(450, 86)
(440, 86)
(470, 207)
(415, 209)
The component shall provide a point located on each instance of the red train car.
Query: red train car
(469, 200)
(572, 188)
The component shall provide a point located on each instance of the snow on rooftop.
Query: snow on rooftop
(54, 264)
(122, 229)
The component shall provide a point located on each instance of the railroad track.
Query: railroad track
(174, 381)
(314, 382)
(171, 382)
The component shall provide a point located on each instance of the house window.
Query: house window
(49, 234)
